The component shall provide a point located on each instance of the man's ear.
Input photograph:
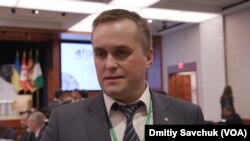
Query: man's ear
(149, 57)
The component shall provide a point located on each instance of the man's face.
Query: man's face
(31, 125)
(76, 95)
(119, 59)
(24, 120)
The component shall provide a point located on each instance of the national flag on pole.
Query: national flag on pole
(30, 64)
(15, 79)
(30, 70)
(37, 74)
(24, 74)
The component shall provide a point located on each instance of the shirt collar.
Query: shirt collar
(145, 98)
(37, 132)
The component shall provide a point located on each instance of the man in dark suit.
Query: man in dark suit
(25, 134)
(58, 100)
(230, 116)
(122, 53)
(36, 124)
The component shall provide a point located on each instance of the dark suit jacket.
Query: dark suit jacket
(53, 105)
(27, 136)
(88, 120)
(40, 134)
(234, 119)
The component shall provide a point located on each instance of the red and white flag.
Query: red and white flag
(24, 74)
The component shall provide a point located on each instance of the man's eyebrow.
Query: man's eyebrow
(116, 47)
(98, 48)
(123, 46)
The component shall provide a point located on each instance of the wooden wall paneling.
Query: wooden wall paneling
(24, 36)
(246, 121)
(53, 78)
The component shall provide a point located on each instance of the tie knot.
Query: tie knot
(128, 110)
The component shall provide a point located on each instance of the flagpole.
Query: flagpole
(37, 78)
(37, 99)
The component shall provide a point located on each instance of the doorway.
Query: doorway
(180, 86)
(183, 82)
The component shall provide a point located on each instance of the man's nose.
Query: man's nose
(111, 62)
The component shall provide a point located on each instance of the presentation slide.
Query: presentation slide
(77, 67)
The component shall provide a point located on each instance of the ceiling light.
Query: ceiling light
(85, 25)
(63, 14)
(150, 21)
(109, 7)
(158, 14)
(13, 10)
(8, 3)
(62, 5)
(134, 3)
(195, 17)
(175, 15)
(35, 11)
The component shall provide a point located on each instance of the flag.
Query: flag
(30, 64)
(30, 73)
(24, 74)
(15, 78)
(37, 74)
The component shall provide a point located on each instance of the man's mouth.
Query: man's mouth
(112, 77)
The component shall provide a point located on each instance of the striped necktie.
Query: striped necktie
(129, 111)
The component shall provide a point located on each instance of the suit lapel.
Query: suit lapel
(161, 115)
(96, 119)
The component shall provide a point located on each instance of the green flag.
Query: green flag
(37, 74)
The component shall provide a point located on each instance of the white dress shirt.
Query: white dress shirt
(118, 120)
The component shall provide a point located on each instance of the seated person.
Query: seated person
(230, 116)
(3, 131)
(7, 133)
(25, 135)
(36, 124)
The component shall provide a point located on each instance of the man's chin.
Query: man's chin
(112, 92)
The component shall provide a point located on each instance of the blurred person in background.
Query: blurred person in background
(58, 100)
(78, 95)
(25, 135)
(36, 124)
(227, 99)
(230, 116)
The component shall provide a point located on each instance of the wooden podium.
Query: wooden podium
(22, 103)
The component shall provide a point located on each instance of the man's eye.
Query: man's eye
(122, 53)
(100, 54)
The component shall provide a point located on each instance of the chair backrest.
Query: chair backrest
(3, 131)
(7, 132)
(11, 133)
